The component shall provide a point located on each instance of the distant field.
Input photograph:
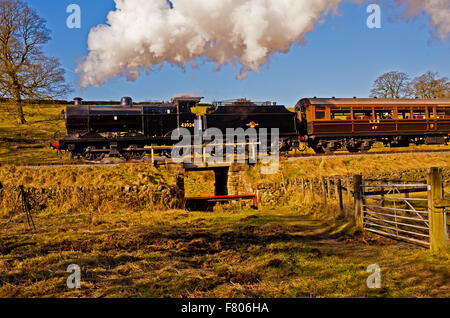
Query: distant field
(30, 143)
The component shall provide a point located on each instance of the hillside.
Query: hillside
(30, 143)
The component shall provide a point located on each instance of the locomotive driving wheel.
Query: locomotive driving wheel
(90, 155)
(319, 150)
(133, 153)
(353, 149)
(324, 149)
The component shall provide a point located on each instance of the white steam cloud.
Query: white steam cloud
(147, 33)
(439, 11)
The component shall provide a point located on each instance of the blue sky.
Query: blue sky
(341, 58)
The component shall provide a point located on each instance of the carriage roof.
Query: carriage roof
(374, 102)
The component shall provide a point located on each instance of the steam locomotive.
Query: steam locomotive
(325, 125)
(131, 131)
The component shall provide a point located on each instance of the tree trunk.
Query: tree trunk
(18, 101)
(20, 116)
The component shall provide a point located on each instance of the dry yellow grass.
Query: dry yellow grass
(121, 175)
(269, 253)
(30, 143)
(201, 183)
(295, 249)
(342, 166)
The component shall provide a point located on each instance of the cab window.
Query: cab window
(320, 112)
(386, 113)
(341, 114)
(404, 113)
(443, 113)
(361, 114)
(419, 113)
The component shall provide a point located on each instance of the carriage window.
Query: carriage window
(431, 113)
(359, 114)
(386, 113)
(344, 114)
(443, 113)
(404, 113)
(419, 113)
(320, 112)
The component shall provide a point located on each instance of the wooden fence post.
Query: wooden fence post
(357, 182)
(329, 187)
(339, 196)
(324, 191)
(438, 236)
(153, 157)
(349, 191)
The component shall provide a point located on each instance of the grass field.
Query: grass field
(269, 253)
(30, 143)
(342, 166)
(202, 183)
(296, 249)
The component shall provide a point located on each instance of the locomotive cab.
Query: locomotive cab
(186, 118)
(185, 104)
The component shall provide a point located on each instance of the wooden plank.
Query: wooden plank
(339, 196)
(358, 202)
(438, 228)
(324, 191)
(403, 191)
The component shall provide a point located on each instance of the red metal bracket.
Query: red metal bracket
(254, 197)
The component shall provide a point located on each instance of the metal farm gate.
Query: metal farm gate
(397, 210)
(411, 211)
(446, 196)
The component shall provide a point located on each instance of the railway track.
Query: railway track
(378, 153)
(113, 162)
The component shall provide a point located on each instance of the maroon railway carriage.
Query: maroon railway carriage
(356, 124)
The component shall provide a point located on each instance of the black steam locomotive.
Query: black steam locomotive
(130, 131)
(325, 125)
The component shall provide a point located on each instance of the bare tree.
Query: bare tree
(429, 85)
(390, 85)
(25, 73)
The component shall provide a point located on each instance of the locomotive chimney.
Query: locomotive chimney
(126, 102)
(78, 101)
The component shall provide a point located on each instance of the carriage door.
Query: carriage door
(431, 118)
